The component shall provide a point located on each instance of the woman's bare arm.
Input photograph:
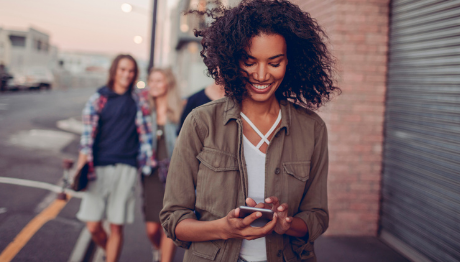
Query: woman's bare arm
(231, 226)
(192, 230)
(298, 228)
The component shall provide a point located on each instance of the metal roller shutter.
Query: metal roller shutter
(421, 168)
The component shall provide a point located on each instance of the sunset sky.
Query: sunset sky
(83, 25)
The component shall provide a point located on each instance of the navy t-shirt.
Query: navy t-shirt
(195, 100)
(117, 140)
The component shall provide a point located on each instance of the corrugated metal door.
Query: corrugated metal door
(421, 180)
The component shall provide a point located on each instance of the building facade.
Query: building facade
(188, 64)
(358, 32)
(22, 49)
(394, 132)
(78, 69)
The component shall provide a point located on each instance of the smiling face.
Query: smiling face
(125, 73)
(266, 66)
(157, 84)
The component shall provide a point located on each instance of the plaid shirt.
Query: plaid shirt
(90, 119)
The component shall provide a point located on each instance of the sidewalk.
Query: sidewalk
(328, 249)
(355, 249)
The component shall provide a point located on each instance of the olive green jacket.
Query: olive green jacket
(207, 178)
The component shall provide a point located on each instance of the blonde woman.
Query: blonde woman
(166, 109)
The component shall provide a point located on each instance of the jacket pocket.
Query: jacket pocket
(217, 160)
(299, 170)
(296, 175)
(207, 250)
(217, 181)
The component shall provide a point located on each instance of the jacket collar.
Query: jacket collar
(233, 109)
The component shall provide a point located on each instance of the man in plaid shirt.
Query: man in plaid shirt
(90, 118)
(115, 143)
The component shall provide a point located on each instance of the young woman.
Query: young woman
(260, 146)
(165, 105)
(115, 142)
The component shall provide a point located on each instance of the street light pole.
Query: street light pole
(152, 41)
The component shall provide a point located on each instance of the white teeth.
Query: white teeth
(260, 86)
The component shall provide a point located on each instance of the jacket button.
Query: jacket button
(280, 253)
(277, 171)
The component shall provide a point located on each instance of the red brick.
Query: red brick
(343, 177)
(353, 118)
(370, 177)
(368, 108)
(369, 217)
(359, 206)
(371, 158)
(358, 30)
(363, 187)
(339, 205)
(362, 148)
(373, 138)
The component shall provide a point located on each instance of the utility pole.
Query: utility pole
(152, 40)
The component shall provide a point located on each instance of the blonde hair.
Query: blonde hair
(175, 104)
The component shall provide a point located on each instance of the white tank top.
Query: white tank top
(255, 250)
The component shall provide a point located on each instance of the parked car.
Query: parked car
(30, 79)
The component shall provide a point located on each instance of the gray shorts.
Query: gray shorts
(111, 195)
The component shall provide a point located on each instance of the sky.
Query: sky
(84, 25)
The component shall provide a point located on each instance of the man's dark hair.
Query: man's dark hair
(114, 66)
(309, 73)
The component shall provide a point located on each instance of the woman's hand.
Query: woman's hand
(283, 221)
(235, 227)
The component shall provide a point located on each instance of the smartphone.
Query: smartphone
(246, 211)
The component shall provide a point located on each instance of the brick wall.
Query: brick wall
(358, 32)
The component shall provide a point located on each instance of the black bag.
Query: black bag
(80, 181)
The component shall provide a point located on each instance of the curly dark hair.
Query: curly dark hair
(308, 79)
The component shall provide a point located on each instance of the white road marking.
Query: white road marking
(3, 106)
(71, 124)
(3, 210)
(99, 255)
(41, 139)
(45, 202)
(38, 184)
(81, 247)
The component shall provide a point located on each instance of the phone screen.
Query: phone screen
(267, 215)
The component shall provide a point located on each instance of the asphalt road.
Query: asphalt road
(28, 150)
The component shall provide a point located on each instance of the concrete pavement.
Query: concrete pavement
(328, 249)
(29, 230)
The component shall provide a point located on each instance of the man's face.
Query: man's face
(125, 73)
